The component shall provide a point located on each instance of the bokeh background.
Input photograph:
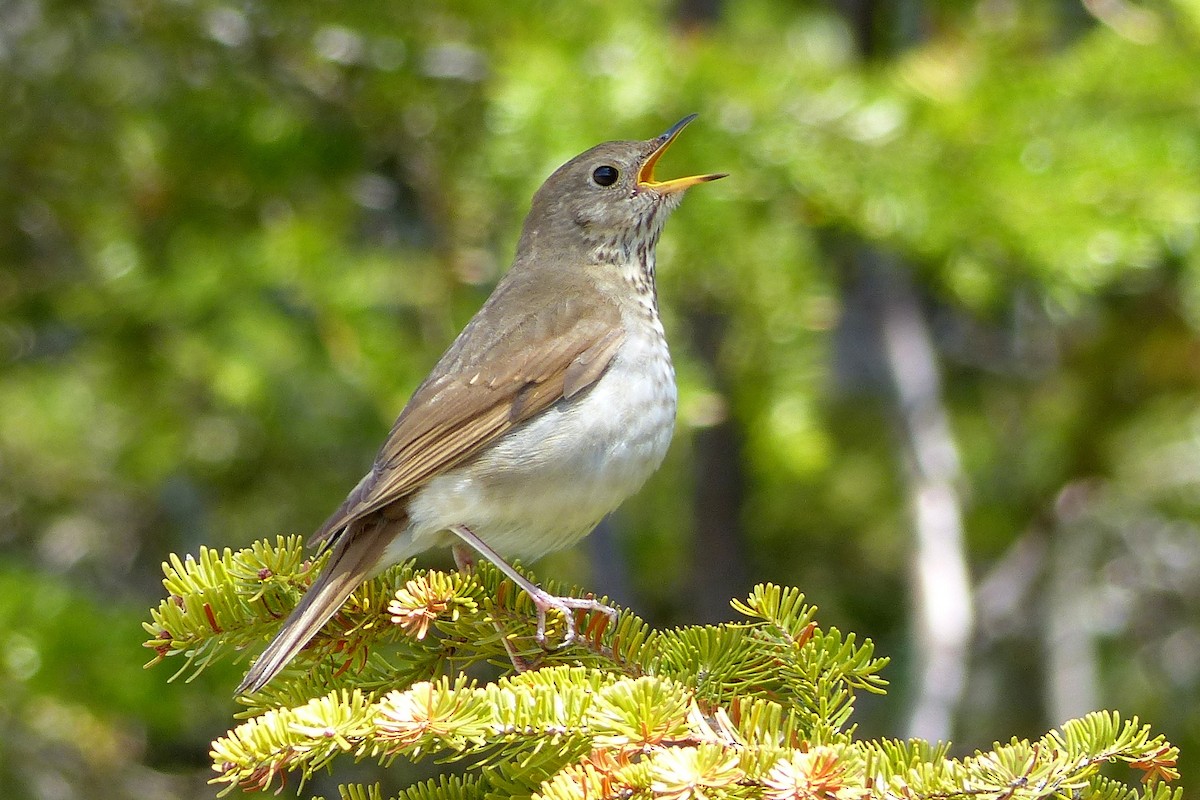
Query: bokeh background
(938, 334)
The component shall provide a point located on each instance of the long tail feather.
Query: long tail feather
(355, 558)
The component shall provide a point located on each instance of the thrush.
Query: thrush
(554, 404)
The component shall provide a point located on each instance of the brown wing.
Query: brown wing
(477, 393)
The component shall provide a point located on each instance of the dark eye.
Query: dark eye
(605, 175)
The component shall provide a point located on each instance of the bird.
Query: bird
(554, 404)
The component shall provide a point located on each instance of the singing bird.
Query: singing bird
(554, 404)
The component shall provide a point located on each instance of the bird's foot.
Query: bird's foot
(544, 601)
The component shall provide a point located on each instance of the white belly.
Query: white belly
(547, 483)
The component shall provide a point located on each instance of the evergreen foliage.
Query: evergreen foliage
(235, 236)
(758, 708)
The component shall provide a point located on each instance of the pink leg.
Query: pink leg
(542, 600)
(463, 558)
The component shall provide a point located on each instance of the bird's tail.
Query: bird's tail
(356, 556)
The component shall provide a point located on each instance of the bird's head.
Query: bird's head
(608, 198)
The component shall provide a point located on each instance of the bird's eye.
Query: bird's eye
(605, 175)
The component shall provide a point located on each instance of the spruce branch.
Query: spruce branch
(753, 709)
(218, 602)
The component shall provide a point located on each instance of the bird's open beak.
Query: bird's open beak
(645, 177)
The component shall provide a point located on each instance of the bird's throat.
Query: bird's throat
(631, 253)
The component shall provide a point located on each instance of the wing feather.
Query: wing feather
(476, 395)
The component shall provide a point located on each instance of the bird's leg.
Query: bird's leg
(464, 559)
(542, 600)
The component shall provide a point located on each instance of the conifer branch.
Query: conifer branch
(752, 709)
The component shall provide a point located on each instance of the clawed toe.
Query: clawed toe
(544, 601)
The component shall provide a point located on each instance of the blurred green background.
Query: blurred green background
(938, 335)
